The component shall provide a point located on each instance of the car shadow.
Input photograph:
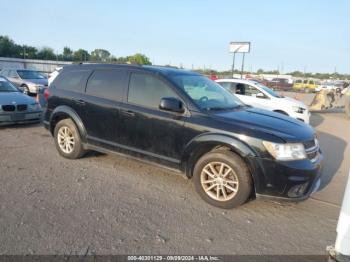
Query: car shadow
(316, 120)
(22, 126)
(333, 151)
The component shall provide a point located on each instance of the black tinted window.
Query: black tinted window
(147, 90)
(72, 80)
(107, 84)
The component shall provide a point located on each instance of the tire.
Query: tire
(67, 139)
(238, 175)
(26, 90)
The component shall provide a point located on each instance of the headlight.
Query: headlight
(286, 152)
(34, 106)
(298, 109)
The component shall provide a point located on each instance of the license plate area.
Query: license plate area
(17, 117)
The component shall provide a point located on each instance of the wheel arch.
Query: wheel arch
(208, 142)
(64, 112)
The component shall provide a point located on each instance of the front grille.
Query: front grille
(8, 108)
(22, 107)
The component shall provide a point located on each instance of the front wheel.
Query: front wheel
(67, 139)
(222, 179)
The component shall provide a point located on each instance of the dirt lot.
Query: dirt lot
(107, 204)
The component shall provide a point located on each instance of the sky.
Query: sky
(310, 35)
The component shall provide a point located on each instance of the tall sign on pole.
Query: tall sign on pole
(239, 47)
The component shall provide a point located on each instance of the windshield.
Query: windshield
(6, 86)
(27, 74)
(268, 90)
(207, 94)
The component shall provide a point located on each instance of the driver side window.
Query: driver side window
(146, 90)
(250, 90)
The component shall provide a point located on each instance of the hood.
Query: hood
(293, 102)
(9, 98)
(276, 124)
(37, 81)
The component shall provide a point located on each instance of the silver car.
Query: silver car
(29, 81)
(16, 107)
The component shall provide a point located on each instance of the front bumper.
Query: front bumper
(20, 118)
(290, 180)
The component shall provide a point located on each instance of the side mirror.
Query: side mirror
(171, 104)
(260, 95)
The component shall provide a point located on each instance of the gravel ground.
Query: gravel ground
(109, 204)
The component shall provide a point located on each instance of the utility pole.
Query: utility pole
(233, 64)
(242, 65)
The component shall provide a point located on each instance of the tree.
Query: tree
(46, 53)
(67, 54)
(139, 59)
(100, 55)
(8, 48)
(30, 52)
(81, 55)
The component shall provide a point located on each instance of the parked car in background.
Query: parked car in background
(306, 85)
(258, 95)
(29, 81)
(280, 84)
(16, 107)
(186, 121)
(335, 86)
(54, 74)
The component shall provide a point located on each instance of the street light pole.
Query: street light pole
(242, 66)
(233, 64)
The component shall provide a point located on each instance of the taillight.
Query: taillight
(46, 93)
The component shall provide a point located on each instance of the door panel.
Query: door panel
(143, 126)
(102, 103)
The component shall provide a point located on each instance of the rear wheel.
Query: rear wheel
(67, 139)
(222, 179)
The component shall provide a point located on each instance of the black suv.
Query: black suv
(183, 120)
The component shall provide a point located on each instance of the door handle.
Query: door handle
(80, 102)
(128, 113)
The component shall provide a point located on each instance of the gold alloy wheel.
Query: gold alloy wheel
(65, 139)
(219, 181)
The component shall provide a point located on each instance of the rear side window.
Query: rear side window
(107, 84)
(72, 80)
(147, 90)
(12, 73)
